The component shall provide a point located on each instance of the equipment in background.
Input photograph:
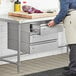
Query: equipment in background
(17, 6)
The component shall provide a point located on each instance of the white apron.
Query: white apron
(70, 27)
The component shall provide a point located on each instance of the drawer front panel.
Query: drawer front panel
(37, 38)
(60, 27)
(43, 47)
(47, 30)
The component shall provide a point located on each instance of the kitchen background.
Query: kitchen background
(7, 6)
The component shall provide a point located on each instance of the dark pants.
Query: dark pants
(72, 57)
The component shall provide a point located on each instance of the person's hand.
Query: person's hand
(51, 23)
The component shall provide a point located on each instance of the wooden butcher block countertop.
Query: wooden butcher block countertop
(31, 16)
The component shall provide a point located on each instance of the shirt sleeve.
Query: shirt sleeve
(64, 7)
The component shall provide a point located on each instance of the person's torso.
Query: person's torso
(72, 4)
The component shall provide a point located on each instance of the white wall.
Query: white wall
(7, 6)
(44, 4)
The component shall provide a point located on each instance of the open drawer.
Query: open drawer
(42, 29)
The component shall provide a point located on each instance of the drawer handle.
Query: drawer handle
(42, 25)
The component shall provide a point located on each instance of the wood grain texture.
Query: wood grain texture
(31, 16)
(35, 65)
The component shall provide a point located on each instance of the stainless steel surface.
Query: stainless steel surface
(19, 48)
(19, 36)
(13, 36)
(43, 42)
(44, 47)
(7, 61)
(10, 56)
(7, 18)
(37, 38)
(44, 30)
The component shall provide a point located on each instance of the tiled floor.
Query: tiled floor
(35, 65)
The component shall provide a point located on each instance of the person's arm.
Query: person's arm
(64, 7)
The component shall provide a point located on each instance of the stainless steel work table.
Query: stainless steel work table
(18, 22)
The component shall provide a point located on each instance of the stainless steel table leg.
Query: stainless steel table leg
(68, 49)
(16, 33)
(18, 53)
